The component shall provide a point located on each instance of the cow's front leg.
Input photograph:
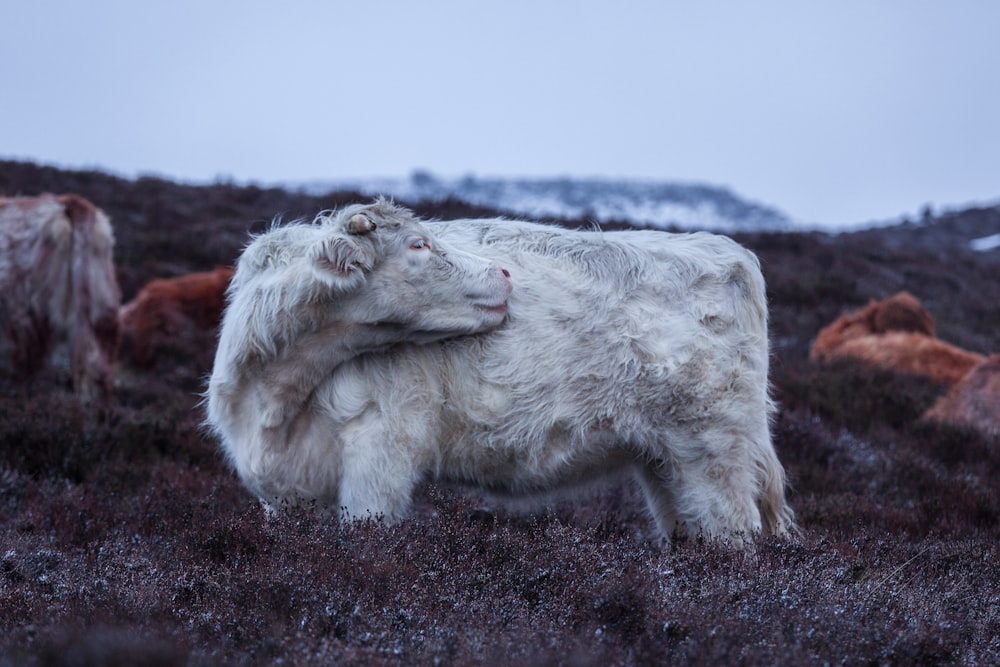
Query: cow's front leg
(378, 477)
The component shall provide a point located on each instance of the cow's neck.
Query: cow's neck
(289, 380)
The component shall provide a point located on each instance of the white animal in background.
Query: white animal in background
(366, 352)
(59, 297)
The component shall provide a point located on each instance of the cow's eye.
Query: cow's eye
(420, 244)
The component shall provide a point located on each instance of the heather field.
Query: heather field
(124, 538)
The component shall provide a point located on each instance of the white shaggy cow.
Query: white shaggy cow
(59, 297)
(617, 351)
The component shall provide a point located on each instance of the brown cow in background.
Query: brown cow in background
(895, 334)
(898, 334)
(900, 312)
(59, 297)
(912, 353)
(170, 313)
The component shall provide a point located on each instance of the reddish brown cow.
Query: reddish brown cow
(169, 310)
(900, 312)
(59, 297)
(896, 334)
(912, 353)
(974, 402)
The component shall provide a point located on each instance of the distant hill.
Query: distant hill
(639, 202)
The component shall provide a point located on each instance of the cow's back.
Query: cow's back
(58, 293)
(611, 337)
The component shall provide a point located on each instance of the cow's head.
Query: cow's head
(370, 276)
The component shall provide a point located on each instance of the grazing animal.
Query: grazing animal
(368, 351)
(974, 402)
(59, 297)
(171, 309)
(894, 334)
(900, 312)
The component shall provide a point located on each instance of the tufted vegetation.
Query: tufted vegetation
(124, 537)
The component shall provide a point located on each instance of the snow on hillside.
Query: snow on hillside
(648, 203)
(985, 243)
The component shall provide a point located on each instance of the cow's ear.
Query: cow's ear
(339, 261)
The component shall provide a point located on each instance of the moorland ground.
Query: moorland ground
(125, 538)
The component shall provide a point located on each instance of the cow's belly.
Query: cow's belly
(507, 462)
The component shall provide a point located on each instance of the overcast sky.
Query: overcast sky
(835, 112)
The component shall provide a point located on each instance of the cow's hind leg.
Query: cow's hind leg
(655, 479)
(715, 482)
(717, 487)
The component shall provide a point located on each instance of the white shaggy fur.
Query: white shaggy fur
(58, 294)
(621, 351)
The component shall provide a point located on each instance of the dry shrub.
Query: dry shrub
(124, 538)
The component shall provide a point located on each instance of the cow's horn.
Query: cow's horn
(359, 224)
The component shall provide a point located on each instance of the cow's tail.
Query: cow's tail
(777, 518)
